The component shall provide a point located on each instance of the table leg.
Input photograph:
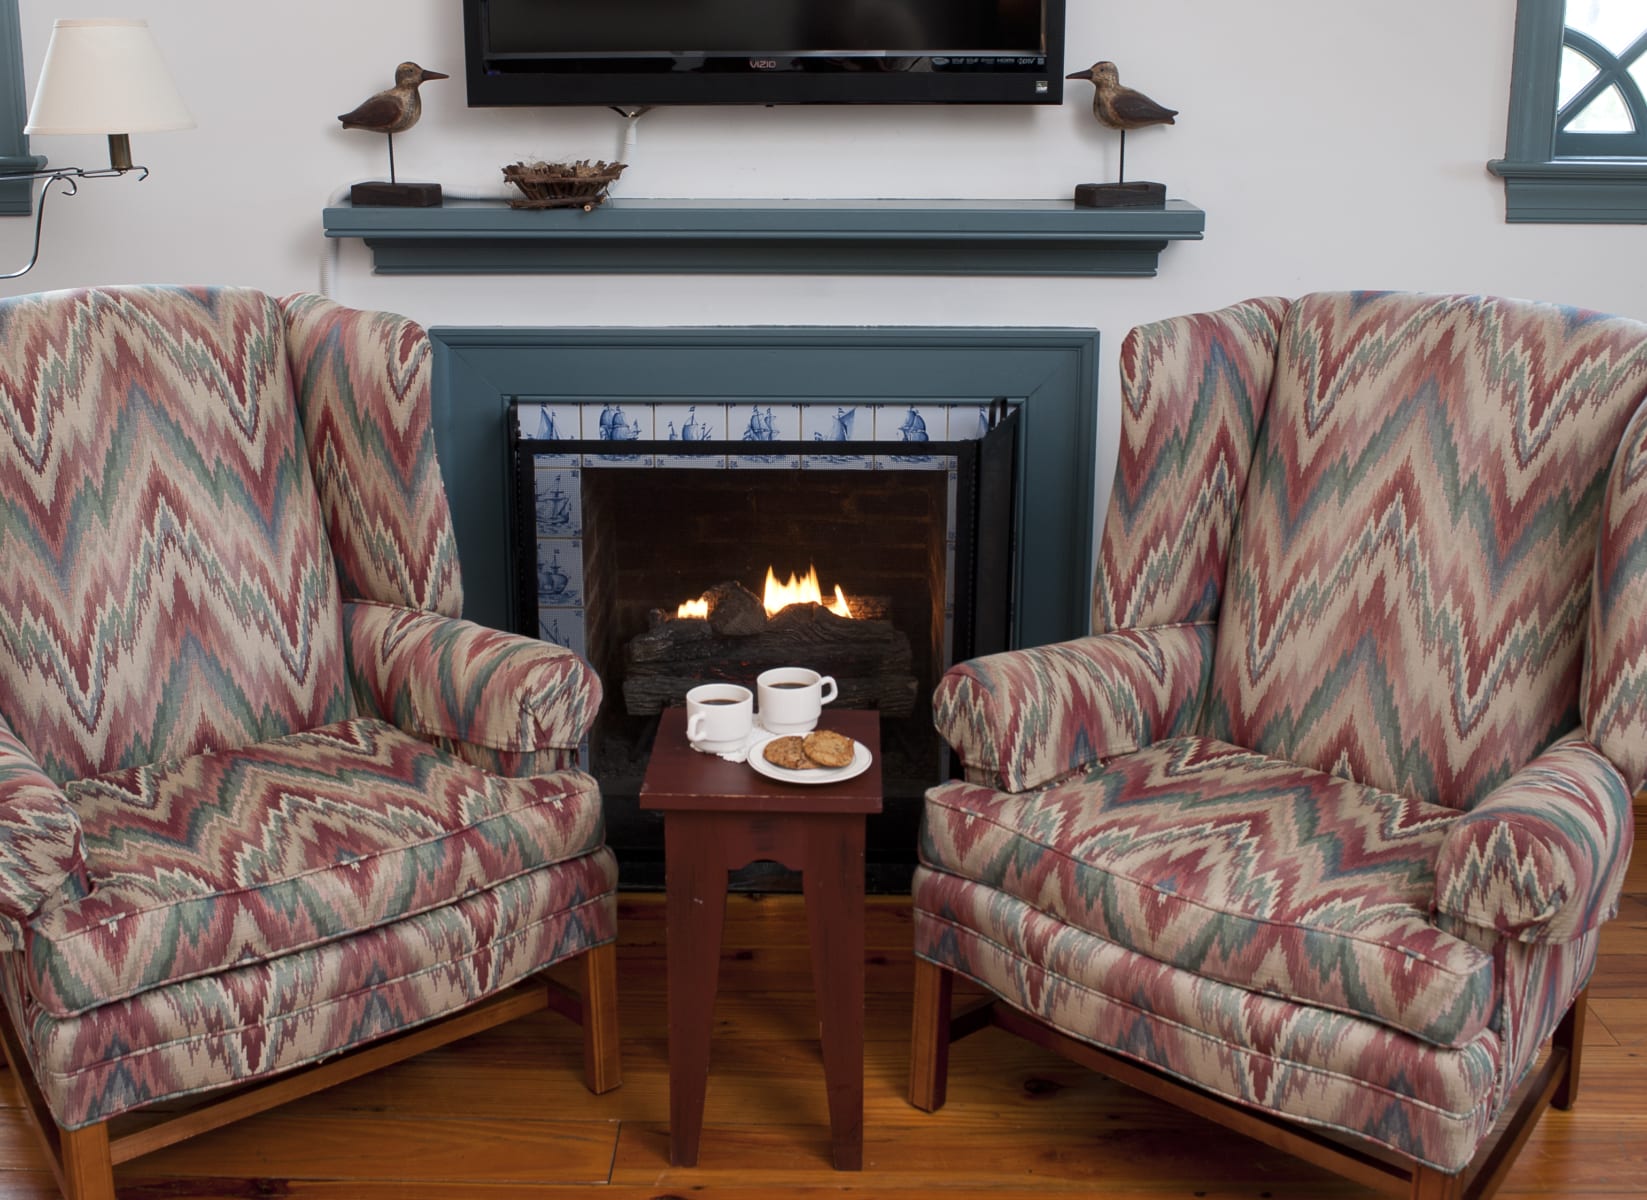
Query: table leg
(833, 881)
(696, 907)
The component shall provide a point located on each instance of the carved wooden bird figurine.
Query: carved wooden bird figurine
(394, 110)
(1121, 108)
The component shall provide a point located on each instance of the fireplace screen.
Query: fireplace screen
(692, 557)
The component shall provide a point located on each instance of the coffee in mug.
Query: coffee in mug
(792, 698)
(719, 717)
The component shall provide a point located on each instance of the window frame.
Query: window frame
(17, 195)
(1539, 185)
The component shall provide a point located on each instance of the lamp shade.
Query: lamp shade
(105, 77)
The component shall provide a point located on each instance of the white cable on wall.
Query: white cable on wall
(631, 131)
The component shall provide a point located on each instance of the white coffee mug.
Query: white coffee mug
(719, 717)
(792, 697)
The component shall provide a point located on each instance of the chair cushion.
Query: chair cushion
(226, 859)
(1297, 1061)
(1270, 876)
(264, 1018)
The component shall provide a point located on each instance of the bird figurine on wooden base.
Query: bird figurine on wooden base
(394, 110)
(1121, 108)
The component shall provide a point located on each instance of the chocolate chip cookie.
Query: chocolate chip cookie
(828, 748)
(789, 753)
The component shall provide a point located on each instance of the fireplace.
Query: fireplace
(695, 557)
(659, 464)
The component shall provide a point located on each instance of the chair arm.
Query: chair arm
(510, 704)
(41, 852)
(1541, 858)
(1024, 718)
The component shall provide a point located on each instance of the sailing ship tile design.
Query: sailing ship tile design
(552, 423)
(913, 426)
(560, 572)
(845, 422)
(694, 423)
(563, 627)
(559, 495)
(750, 425)
(615, 422)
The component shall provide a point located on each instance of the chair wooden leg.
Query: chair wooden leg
(601, 1068)
(929, 1037)
(88, 1170)
(1430, 1184)
(1569, 1036)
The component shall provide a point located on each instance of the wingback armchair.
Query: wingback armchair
(264, 797)
(1315, 832)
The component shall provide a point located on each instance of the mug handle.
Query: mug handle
(694, 727)
(829, 690)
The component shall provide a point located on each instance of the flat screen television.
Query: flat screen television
(631, 53)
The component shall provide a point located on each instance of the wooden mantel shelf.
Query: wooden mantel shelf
(816, 237)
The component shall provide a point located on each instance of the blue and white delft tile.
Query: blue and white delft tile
(613, 423)
(826, 423)
(560, 572)
(558, 495)
(911, 425)
(968, 422)
(748, 425)
(563, 627)
(698, 423)
(551, 423)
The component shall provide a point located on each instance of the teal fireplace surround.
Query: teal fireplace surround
(1050, 374)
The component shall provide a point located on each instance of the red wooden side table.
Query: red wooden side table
(719, 816)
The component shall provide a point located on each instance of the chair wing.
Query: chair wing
(363, 388)
(1615, 665)
(1193, 394)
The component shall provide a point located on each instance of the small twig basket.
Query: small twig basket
(580, 184)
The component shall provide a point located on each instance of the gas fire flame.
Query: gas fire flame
(780, 596)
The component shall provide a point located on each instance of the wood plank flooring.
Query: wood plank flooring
(504, 1115)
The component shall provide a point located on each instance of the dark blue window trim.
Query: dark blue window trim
(16, 197)
(1540, 183)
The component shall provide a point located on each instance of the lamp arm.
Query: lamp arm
(69, 177)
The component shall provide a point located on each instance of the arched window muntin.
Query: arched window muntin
(1612, 72)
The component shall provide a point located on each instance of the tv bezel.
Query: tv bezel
(977, 84)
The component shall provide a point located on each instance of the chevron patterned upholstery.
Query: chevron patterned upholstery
(362, 382)
(264, 797)
(1324, 818)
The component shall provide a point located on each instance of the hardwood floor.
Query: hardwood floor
(504, 1114)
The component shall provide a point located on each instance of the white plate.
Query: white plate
(757, 759)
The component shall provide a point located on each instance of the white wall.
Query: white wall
(1331, 145)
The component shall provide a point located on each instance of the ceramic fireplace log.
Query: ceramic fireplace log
(870, 660)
